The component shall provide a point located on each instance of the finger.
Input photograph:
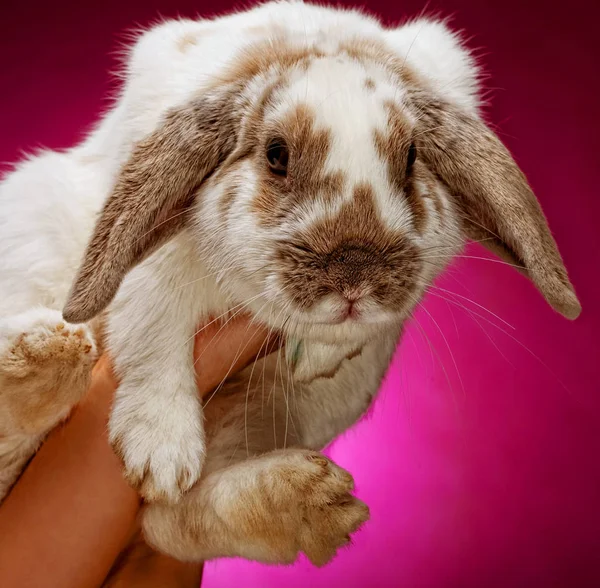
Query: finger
(220, 350)
(103, 368)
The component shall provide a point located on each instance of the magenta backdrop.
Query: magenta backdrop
(480, 465)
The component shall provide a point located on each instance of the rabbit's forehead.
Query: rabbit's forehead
(327, 172)
(346, 128)
(349, 102)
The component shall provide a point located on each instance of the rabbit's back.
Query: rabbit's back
(48, 205)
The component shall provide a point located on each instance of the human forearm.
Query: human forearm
(71, 513)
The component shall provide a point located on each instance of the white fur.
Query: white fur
(49, 204)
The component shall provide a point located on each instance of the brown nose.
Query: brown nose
(348, 269)
(350, 254)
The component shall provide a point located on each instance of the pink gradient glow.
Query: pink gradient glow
(480, 458)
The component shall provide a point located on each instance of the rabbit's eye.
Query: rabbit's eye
(412, 156)
(277, 156)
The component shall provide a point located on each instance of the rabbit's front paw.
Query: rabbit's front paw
(161, 445)
(45, 367)
(313, 506)
(267, 508)
(294, 500)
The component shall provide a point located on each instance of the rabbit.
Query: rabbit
(301, 163)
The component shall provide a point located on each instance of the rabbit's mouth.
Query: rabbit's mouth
(356, 322)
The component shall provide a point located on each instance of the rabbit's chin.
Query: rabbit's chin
(349, 331)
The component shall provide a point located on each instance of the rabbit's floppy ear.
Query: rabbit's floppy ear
(151, 194)
(493, 196)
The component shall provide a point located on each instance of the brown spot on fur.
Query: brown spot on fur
(187, 40)
(354, 354)
(417, 206)
(261, 31)
(232, 183)
(422, 175)
(327, 375)
(393, 146)
(276, 55)
(370, 84)
(279, 53)
(353, 250)
(308, 147)
(365, 50)
(322, 373)
(85, 159)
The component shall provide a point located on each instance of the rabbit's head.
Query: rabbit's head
(327, 187)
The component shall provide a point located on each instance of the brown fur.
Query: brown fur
(493, 194)
(370, 84)
(148, 203)
(393, 147)
(42, 377)
(366, 50)
(263, 56)
(308, 146)
(351, 251)
(284, 502)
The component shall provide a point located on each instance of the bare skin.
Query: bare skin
(71, 519)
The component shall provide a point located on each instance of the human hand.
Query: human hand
(72, 514)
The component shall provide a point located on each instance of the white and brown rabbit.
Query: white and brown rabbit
(301, 163)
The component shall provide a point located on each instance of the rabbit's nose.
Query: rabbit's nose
(352, 262)
(351, 296)
(349, 271)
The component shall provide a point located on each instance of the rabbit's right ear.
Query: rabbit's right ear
(151, 195)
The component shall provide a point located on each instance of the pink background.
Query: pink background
(480, 464)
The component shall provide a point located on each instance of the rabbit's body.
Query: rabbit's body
(221, 229)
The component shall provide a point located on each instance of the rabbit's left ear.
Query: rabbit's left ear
(492, 195)
(151, 195)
